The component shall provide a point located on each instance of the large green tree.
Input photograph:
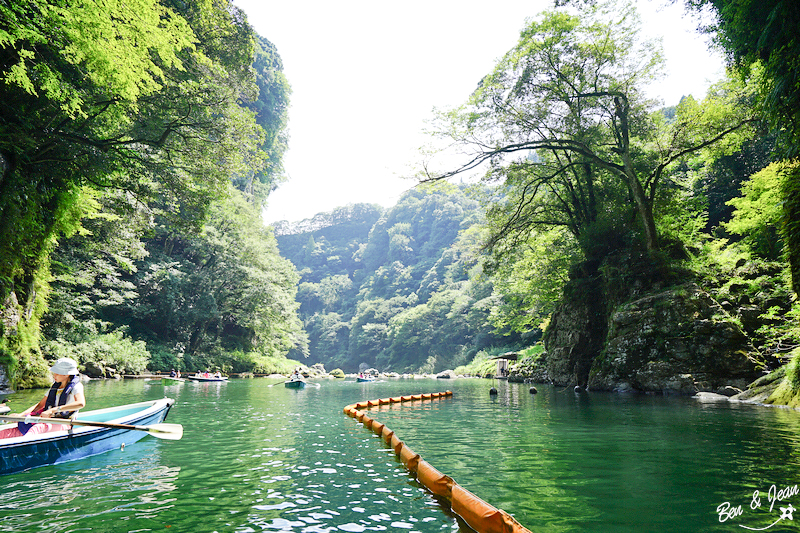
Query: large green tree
(142, 96)
(562, 121)
(222, 290)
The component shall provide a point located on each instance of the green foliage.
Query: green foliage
(758, 212)
(790, 223)
(400, 292)
(224, 290)
(788, 390)
(337, 373)
(142, 97)
(764, 35)
(112, 349)
(482, 365)
(531, 283)
(271, 108)
(562, 123)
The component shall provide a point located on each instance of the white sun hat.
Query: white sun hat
(65, 367)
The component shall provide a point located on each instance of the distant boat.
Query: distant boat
(364, 380)
(79, 441)
(198, 377)
(294, 384)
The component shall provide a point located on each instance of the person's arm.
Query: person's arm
(33, 408)
(78, 402)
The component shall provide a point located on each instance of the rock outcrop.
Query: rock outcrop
(679, 340)
(630, 323)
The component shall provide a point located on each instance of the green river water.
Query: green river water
(257, 456)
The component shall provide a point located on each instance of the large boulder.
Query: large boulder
(670, 342)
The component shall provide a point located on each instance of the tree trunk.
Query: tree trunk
(645, 210)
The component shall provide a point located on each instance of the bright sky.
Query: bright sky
(366, 75)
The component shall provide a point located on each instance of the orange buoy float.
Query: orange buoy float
(478, 514)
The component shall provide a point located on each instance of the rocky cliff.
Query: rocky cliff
(629, 326)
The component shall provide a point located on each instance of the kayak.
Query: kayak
(79, 441)
(171, 381)
(210, 378)
(295, 383)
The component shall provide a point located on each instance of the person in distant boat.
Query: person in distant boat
(64, 399)
(296, 375)
(173, 374)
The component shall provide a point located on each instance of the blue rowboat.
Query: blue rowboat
(295, 383)
(77, 442)
(364, 380)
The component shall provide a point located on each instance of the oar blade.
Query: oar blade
(165, 431)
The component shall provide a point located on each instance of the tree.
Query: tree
(271, 109)
(764, 36)
(223, 290)
(568, 98)
(141, 96)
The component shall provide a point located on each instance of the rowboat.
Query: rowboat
(364, 380)
(166, 380)
(79, 441)
(204, 378)
(295, 383)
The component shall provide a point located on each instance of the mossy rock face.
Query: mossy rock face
(784, 384)
(337, 373)
(668, 340)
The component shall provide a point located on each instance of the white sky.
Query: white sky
(366, 75)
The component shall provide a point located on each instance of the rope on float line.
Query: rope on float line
(481, 516)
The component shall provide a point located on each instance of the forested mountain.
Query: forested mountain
(397, 289)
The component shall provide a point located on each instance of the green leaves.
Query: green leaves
(760, 210)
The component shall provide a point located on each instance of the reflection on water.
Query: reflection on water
(256, 456)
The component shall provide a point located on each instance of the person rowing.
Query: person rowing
(64, 399)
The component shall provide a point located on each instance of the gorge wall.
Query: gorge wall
(630, 325)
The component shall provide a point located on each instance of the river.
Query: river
(257, 456)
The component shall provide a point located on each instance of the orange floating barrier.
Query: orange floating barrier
(477, 513)
(395, 443)
(433, 480)
(409, 458)
(480, 515)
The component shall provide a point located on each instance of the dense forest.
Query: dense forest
(397, 290)
(136, 157)
(613, 242)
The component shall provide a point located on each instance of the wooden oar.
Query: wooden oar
(160, 431)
